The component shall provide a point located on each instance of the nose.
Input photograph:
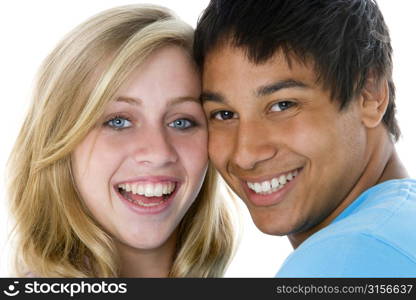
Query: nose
(252, 145)
(154, 147)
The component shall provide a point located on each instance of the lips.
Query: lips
(148, 189)
(273, 185)
(270, 191)
(148, 196)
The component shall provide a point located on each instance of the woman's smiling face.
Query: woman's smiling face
(139, 170)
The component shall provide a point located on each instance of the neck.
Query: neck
(152, 263)
(382, 165)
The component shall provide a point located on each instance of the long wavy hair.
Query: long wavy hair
(56, 236)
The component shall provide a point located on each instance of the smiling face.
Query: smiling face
(142, 166)
(279, 141)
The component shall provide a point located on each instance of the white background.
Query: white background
(30, 29)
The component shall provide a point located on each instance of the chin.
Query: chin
(146, 245)
(272, 231)
(271, 228)
(144, 242)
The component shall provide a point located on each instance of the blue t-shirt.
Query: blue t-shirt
(373, 237)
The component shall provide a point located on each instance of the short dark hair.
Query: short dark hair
(346, 39)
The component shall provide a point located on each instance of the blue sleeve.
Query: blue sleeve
(357, 255)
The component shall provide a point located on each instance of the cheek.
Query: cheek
(102, 159)
(220, 146)
(95, 160)
(305, 137)
(317, 138)
(193, 152)
(331, 145)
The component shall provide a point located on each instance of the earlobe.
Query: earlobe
(374, 101)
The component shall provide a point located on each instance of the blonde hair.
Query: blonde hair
(56, 235)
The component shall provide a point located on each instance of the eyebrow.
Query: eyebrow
(210, 96)
(279, 85)
(129, 100)
(261, 91)
(179, 100)
(172, 101)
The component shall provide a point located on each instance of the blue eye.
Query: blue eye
(282, 105)
(223, 115)
(119, 123)
(182, 124)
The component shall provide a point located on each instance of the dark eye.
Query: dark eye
(223, 115)
(119, 123)
(182, 124)
(282, 105)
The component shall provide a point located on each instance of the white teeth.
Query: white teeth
(140, 190)
(270, 186)
(266, 185)
(128, 187)
(149, 189)
(257, 187)
(141, 203)
(275, 183)
(158, 190)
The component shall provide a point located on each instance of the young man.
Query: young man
(300, 102)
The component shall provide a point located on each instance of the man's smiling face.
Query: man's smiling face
(279, 141)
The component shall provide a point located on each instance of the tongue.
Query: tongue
(143, 198)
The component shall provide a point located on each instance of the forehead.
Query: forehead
(168, 70)
(226, 64)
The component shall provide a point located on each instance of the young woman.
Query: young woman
(109, 175)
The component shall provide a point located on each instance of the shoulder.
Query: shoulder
(351, 255)
(371, 238)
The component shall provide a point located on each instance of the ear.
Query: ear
(374, 101)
